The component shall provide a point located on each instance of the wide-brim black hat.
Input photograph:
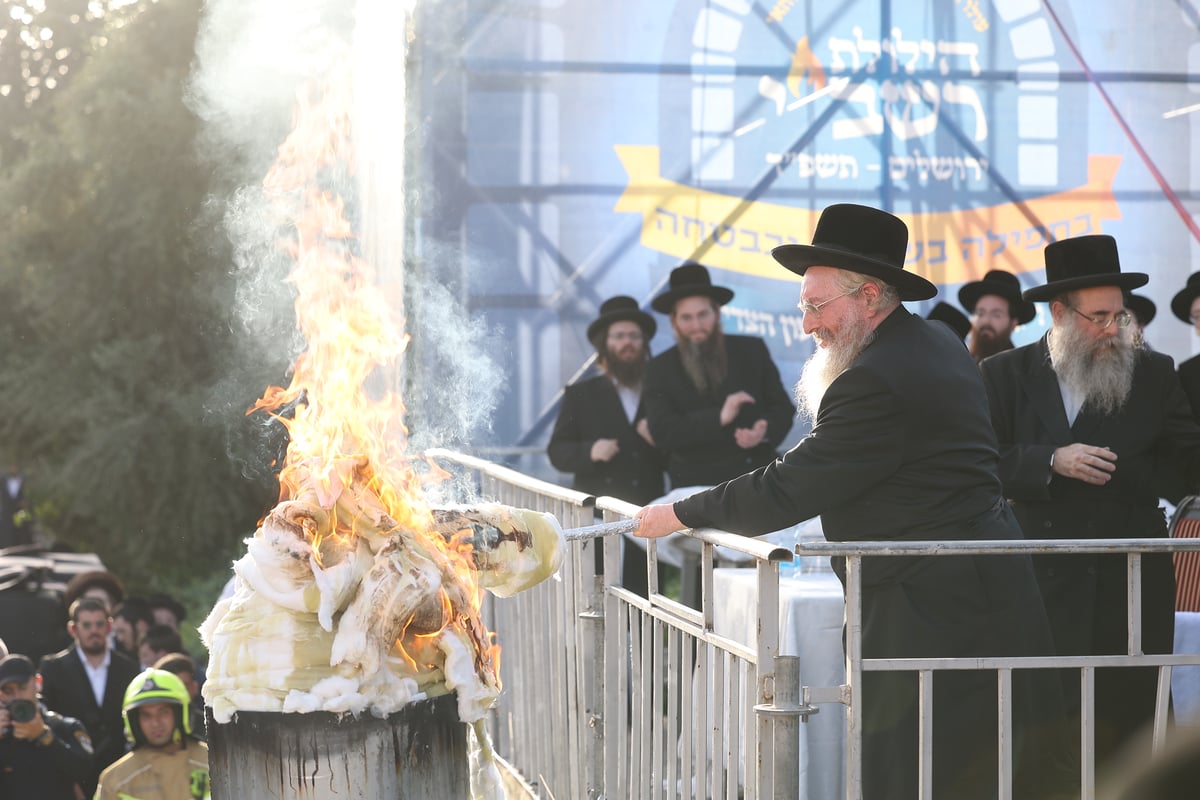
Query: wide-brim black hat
(859, 239)
(1142, 307)
(957, 320)
(1081, 263)
(97, 577)
(1002, 284)
(690, 280)
(621, 309)
(1181, 303)
(169, 603)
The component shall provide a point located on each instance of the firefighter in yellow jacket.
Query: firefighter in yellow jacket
(167, 762)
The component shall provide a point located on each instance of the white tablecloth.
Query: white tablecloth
(811, 610)
(1185, 681)
(810, 626)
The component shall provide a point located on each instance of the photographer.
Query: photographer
(42, 754)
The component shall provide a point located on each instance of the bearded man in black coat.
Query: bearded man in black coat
(715, 402)
(601, 434)
(1093, 429)
(902, 448)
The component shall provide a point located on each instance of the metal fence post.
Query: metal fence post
(592, 638)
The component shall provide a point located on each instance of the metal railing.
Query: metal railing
(608, 694)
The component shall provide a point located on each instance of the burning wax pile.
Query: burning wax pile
(354, 593)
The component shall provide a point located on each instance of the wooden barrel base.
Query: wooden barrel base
(418, 752)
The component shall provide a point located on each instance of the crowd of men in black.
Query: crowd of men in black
(916, 435)
(61, 721)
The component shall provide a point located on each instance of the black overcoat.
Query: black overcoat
(67, 690)
(903, 449)
(686, 425)
(1157, 443)
(1189, 377)
(592, 410)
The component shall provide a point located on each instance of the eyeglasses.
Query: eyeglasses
(633, 336)
(1102, 321)
(814, 309)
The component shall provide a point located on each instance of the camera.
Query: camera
(22, 710)
(19, 710)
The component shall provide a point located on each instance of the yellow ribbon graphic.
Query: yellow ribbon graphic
(728, 232)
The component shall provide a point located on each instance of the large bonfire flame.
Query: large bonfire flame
(354, 592)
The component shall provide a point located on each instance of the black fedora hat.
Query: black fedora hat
(689, 279)
(957, 320)
(621, 309)
(859, 239)
(169, 603)
(1142, 307)
(102, 578)
(1181, 303)
(1002, 284)
(1081, 263)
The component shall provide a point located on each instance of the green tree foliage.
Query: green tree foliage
(118, 385)
(41, 46)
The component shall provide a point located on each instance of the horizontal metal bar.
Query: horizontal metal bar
(747, 545)
(1029, 662)
(986, 546)
(686, 627)
(512, 477)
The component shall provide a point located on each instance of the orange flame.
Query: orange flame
(346, 452)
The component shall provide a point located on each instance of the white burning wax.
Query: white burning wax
(369, 623)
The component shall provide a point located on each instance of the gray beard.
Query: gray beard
(826, 364)
(705, 363)
(1102, 374)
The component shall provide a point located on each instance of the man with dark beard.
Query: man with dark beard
(1092, 429)
(716, 404)
(88, 680)
(996, 309)
(601, 433)
(902, 449)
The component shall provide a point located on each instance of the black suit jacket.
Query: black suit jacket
(67, 690)
(592, 410)
(687, 426)
(902, 449)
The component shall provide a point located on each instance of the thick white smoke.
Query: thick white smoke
(253, 59)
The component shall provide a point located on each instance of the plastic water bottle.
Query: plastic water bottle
(790, 569)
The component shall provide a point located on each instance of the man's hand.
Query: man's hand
(750, 437)
(1085, 462)
(657, 521)
(643, 429)
(604, 449)
(733, 403)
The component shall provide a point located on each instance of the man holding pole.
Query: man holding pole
(902, 448)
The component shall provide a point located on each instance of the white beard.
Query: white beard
(823, 367)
